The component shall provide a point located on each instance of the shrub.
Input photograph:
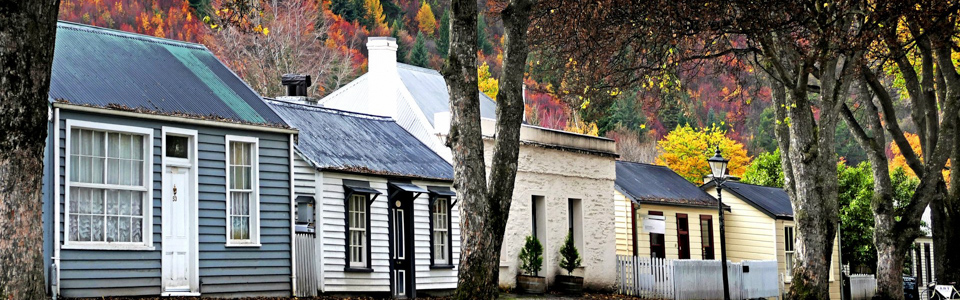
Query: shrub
(531, 256)
(569, 257)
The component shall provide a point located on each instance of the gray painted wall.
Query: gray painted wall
(224, 272)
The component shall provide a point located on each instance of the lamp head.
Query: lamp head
(718, 165)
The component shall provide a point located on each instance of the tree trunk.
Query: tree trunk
(27, 32)
(945, 215)
(809, 163)
(484, 206)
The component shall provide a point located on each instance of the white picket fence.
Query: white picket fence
(862, 286)
(659, 278)
(645, 277)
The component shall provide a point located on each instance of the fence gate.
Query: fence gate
(306, 266)
(645, 277)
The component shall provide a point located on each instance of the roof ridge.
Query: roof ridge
(130, 35)
(645, 164)
(328, 110)
(756, 185)
(416, 68)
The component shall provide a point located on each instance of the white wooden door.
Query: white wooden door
(178, 229)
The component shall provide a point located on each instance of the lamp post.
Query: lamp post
(718, 166)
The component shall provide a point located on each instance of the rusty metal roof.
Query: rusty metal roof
(360, 143)
(645, 183)
(107, 68)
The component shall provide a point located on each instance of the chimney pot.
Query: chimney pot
(296, 84)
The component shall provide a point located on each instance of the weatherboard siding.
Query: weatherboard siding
(750, 233)
(226, 272)
(332, 223)
(624, 225)
(671, 245)
(331, 234)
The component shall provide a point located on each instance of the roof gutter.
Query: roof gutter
(98, 110)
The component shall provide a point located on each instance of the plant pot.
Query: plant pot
(531, 284)
(570, 285)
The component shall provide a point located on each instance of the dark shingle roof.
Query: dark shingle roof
(645, 183)
(429, 90)
(772, 201)
(102, 67)
(352, 142)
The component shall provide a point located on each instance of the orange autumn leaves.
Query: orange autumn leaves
(898, 161)
(685, 150)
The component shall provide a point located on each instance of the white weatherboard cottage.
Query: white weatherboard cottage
(385, 218)
(564, 182)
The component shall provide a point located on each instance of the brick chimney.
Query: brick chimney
(382, 77)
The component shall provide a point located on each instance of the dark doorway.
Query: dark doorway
(400, 217)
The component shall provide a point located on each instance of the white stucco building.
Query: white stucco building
(564, 180)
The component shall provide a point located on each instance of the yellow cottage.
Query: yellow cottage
(760, 226)
(645, 191)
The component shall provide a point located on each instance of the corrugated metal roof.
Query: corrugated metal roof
(103, 67)
(645, 183)
(429, 90)
(772, 201)
(352, 142)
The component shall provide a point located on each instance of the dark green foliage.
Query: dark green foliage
(623, 113)
(402, 48)
(482, 42)
(531, 256)
(419, 55)
(569, 256)
(764, 138)
(349, 10)
(443, 36)
(847, 147)
(391, 11)
(765, 170)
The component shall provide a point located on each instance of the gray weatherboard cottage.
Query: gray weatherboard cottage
(165, 174)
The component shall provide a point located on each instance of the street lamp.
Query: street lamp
(718, 165)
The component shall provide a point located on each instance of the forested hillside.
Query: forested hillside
(260, 40)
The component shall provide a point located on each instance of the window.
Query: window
(706, 236)
(108, 186)
(926, 261)
(243, 208)
(683, 236)
(657, 243)
(788, 241)
(441, 231)
(539, 218)
(575, 227)
(357, 207)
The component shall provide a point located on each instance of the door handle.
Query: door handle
(174, 193)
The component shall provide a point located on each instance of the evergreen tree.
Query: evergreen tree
(443, 36)
(418, 56)
(401, 47)
(569, 256)
(482, 43)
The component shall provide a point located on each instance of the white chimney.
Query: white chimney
(382, 77)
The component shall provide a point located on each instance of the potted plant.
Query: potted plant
(531, 258)
(569, 260)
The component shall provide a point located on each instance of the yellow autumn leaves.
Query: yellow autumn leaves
(686, 149)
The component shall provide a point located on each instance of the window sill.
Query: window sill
(108, 246)
(358, 270)
(442, 267)
(238, 245)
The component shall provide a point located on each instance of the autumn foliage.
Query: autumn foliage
(898, 161)
(685, 150)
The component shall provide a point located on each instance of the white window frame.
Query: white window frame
(363, 263)
(147, 231)
(254, 240)
(788, 255)
(446, 253)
